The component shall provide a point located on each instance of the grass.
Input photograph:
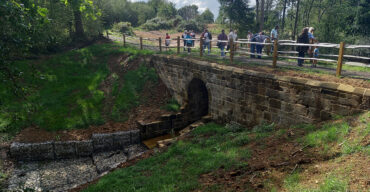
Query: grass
(61, 92)
(212, 146)
(172, 106)
(129, 95)
(330, 184)
(328, 134)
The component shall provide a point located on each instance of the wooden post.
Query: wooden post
(340, 59)
(178, 44)
(201, 46)
(160, 44)
(275, 54)
(107, 34)
(124, 40)
(210, 45)
(141, 42)
(231, 50)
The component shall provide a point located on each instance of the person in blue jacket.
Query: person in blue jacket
(188, 42)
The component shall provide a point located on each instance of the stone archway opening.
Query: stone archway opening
(197, 99)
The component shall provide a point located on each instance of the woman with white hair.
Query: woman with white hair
(312, 40)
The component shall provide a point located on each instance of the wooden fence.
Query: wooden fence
(240, 48)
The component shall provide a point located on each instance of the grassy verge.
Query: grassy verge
(211, 146)
(61, 92)
(129, 95)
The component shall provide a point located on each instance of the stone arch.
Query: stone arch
(197, 99)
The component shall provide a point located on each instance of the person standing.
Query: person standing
(183, 38)
(253, 45)
(316, 56)
(312, 40)
(249, 37)
(260, 39)
(302, 39)
(274, 35)
(168, 40)
(232, 37)
(221, 45)
(188, 42)
(192, 34)
(207, 37)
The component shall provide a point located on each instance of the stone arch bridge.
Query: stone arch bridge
(248, 97)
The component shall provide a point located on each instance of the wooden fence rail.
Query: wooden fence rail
(275, 52)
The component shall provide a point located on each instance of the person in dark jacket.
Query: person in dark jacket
(303, 39)
(260, 38)
(221, 45)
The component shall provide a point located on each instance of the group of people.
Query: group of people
(307, 37)
(224, 42)
(188, 39)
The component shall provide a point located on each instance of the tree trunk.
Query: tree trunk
(79, 30)
(283, 20)
(309, 12)
(262, 19)
(257, 12)
(296, 21)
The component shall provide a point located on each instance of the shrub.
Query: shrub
(172, 106)
(191, 25)
(123, 27)
(158, 24)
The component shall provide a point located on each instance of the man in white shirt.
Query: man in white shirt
(274, 32)
(274, 36)
(232, 36)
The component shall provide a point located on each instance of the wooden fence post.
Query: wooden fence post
(160, 44)
(124, 40)
(201, 46)
(141, 42)
(178, 44)
(340, 59)
(275, 55)
(231, 50)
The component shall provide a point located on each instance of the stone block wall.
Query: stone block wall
(166, 124)
(250, 97)
(71, 149)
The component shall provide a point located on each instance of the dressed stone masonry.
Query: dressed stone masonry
(250, 97)
(73, 149)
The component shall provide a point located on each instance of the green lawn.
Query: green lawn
(179, 168)
(62, 92)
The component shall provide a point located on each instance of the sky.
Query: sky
(213, 5)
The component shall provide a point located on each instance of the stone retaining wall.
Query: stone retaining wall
(250, 97)
(73, 149)
(166, 124)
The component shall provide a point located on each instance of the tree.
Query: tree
(296, 20)
(79, 6)
(188, 12)
(207, 16)
(167, 10)
(239, 13)
(143, 11)
(262, 16)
